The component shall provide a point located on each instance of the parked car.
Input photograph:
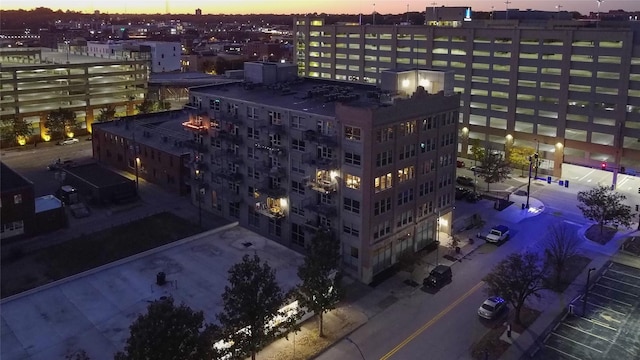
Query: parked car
(465, 181)
(498, 234)
(473, 197)
(460, 163)
(68, 141)
(492, 307)
(438, 277)
(477, 169)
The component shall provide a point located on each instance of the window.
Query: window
(406, 173)
(381, 230)
(407, 128)
(297, 187)
(275, 227)
(352, 158)
(252, 153)
(275, 118)
(17, 199)
(405, 197)
(254, 218)
(352, 133)
(428, 145)
(383, 182)
(350, 229)
(405, 218)
(352, 205)
(296, 122)
(382, 206)
(425, 188)
(297, 234)
(297, 144)
(253, 133)
(234, 209)
(384, 158)
(214, 104)
(408, 151)
(252, 112)
(352, 181)
(429, 123)
(384, 135)
(297, 210)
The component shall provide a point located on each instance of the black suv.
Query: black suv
(438, 277)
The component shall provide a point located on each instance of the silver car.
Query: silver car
(491, 307)
(69, 141)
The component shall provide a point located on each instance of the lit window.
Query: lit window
(352, 181)
(352, 133)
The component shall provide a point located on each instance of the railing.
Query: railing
(322, 186)
(227, 136)
(319, 137)
(271, 149)
(322, 163)
(272, 212)
(323, 209)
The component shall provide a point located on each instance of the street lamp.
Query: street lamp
(437, 237)
(586, 293)
(357, 347)
(529, 183)
(137, 160)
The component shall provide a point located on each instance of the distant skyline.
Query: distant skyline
(302, 7)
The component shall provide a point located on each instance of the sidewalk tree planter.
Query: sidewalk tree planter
(605, 206)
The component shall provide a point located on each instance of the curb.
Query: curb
(338, 340)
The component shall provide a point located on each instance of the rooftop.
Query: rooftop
(54, 57)
(161, 130)
(93, 311)
(11, 180)
(97, 175)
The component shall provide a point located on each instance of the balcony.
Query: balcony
(319, 137)
(323, 209)
(321, 163)
(231, 155)
(279, 151)
(273, 128)
(195, 126)
(273, 170)
(196, 145)
(273, 211)
(232, 118)
(231, 176)
(224, 135)
(322, 186)
(315, 225)
(227, 195)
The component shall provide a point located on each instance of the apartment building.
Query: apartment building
(153, 147)
(288, 157)
(163, 56)
(570, 89)
(39, 80)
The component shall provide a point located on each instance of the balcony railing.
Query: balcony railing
(323, 209)
(277, 150)
(272, 212)
(273, 171)
(232, 118)
(319, 137)
(232, 176)
(231, 155)
(315, 225)
(322, 163)
(322, 186)
(227, 136)
(273, 128)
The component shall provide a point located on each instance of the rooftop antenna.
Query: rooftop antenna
(407, 13)
(434, 6)
(507, 8)
(559, 7)
(374, 13)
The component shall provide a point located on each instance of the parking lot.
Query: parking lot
(610, 326)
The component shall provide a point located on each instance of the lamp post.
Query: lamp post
(437, 237)
(529, 183)
(357, 347)
(586, 293)
(137, 163)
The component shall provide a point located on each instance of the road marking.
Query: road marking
(432, 321)
(586, 332)
(606, 308)
(610, 298)
(616, 290)
(589, 173)
(562, 352)
(577, 342)
(599, 323)
(621, 282)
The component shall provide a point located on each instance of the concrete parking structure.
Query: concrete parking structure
(609, 326)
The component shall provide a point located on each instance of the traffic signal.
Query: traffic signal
(603, 166)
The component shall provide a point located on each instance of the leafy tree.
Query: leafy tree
(252, 300)
(519, 156)
(60, 121)
(320, 289)
(146, 106)
(561, 245)
(477, 151)
(495, 169)
(516, 278)
(170, 332)
(14, 128)
(107, 113)
(604, 206)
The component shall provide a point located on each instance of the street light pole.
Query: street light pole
(529, 183)
(586, 293)
(437, 237)
(357, 347)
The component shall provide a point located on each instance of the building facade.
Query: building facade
(163, 56)
(373, 166)
(154, 147)
(37, 81)
(18, 209)
(569, 89)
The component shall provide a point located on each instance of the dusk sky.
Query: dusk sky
(299, 7)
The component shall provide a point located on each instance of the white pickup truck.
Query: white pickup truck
(498, 234)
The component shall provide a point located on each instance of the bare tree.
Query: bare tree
(561, 245)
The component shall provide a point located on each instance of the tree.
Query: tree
(146, 106)
(495, 169)
(252, 300)
(107, 113)
(561, 245)
(519, 156)
(15, 128)
(516, 278)
(320, 290)
(604, 206)
(60, 121)
(171, 332)
(477, 151)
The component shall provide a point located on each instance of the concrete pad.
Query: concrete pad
(93, 311)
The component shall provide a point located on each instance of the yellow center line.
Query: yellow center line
(432, 321)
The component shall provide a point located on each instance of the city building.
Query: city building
(154, 147)
(568, 89)
(36, 81)
(163, 56)
(288, 157)
(17, 204)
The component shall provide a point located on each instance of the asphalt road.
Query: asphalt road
(31, 162)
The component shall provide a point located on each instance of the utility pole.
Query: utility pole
(529, 183)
